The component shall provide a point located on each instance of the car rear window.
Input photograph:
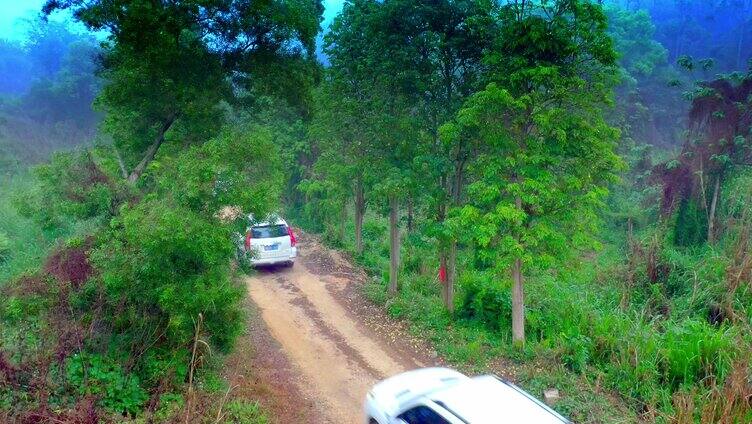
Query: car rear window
(269, 231)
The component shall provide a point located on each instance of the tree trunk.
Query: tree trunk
(630, 231)
(394, 244)
(518, 296)
(518, 304)
(121, 163)
(152, 150)
(711, 214)
(360, 208)
(443, 275)
(451, 276)
(451, 269)
(440, 216)
(410, 214)
(342, 222)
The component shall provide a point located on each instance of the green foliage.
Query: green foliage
(8, 160)
(168, 68)
(241, 411)
(546, 153)
(159, 265)
(737, 191)
(165, 265)
(694, 351)
(27, 240)
(485, 300)
(5, 246)
(633, 31)
(691, 225)
(240, 167)
(576, 354)
(71, 186)
(170, 404)
(105, 379)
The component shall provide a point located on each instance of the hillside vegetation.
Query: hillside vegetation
(556, 190)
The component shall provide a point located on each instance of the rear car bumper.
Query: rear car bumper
(277, 259)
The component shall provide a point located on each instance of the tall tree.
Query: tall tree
(383, 137)
(345, 127)
(546, 152)
(168, 65)
(717, 143)
(649, 110)
(429, 53)
(343, 135)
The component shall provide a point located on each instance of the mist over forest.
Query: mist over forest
(47, 91)
(49, 80)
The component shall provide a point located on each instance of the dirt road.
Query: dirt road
(338, 345)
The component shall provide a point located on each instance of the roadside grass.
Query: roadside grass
(472, 344)
(616, 352)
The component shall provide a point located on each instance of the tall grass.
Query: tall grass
(23, 241)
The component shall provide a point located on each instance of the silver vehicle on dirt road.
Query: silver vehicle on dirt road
(270, 242)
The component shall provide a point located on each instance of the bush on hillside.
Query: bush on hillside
(71, 186)
(4, 247)
(486, 300)
(161, 266)
(127, 302)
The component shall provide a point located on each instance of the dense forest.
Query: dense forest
(563, 186)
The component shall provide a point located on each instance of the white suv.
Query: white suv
(268, 242)
(444, 396)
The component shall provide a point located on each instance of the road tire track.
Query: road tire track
(337, 353)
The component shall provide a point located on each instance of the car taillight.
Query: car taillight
(248, 240)
(293, 242)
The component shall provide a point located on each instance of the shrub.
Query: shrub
(691, 224)
(170, 404)
(634, 366)
(240, 411)
(485, 300)
(577, 351)
(71, 185)
(161, 267)
(5, 247)
(105, 379)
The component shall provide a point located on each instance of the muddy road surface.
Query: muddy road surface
(334, 343)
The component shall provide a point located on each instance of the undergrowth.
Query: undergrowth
(618, 345)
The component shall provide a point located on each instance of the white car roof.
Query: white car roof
(401, 389)
(270, 220)
(489, 400)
